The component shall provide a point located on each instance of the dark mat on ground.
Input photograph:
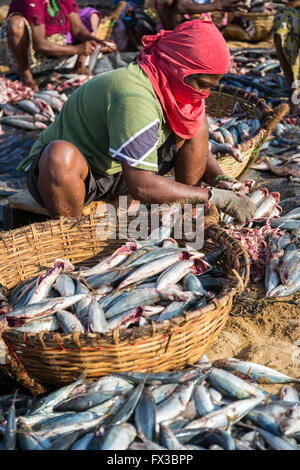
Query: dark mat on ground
(14, 147)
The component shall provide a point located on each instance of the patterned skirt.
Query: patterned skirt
(37, 62)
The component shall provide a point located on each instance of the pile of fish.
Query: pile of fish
(226, 133)
(11, 90)
(258, 71)
(274, 247)
(217, 406)
(36, 113)
(282, 155)
(150, 280)
(27, 110)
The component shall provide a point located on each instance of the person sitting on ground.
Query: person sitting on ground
(123, 130)
(35, 35)
(287, 43)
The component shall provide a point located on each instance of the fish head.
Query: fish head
(276, 196)
(200, 266)
(132, 246)
(64, 265)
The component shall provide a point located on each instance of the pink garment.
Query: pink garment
(36, 13)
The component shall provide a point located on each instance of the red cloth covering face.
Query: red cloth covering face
(36, 13)
(195, 46)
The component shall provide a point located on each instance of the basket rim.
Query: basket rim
(118, 335)
(253, 14)
(267, 112)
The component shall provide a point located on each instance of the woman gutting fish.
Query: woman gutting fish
(122, 130)
(36, 36)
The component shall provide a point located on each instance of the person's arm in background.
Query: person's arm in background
(42, 45)
(189, 6)
(78, 29)
(81, 34)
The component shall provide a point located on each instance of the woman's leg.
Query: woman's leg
(18, 43)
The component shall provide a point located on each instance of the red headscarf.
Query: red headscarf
(193, 47)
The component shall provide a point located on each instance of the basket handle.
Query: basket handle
(279, 112)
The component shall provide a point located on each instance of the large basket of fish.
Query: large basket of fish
(239, 124)
(250, 26)
(107, 306)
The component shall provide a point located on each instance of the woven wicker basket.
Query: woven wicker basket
(262, 22)
(48, 359)
(221, 102)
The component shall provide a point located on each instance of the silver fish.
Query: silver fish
(266, 206)
(276, 442)
(231, 385)
(43, 309)
(111, 384)
(96, 319)
(260, 373)
(119, 437)
(161, 392)
(202, 400)
(45, 282)
(154, 267)
(293, 214)
(68, 322)
(226, 416)
(65, 285)
(174, 405)
(44, 324)
(120, 255)
(288, 393)
(47, 404)
(145, 416)
(168, 439)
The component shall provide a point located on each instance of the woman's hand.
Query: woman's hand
(107, 47)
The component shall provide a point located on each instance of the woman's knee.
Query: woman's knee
(16, 26)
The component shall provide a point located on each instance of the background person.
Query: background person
(287, 43)
(35, 35)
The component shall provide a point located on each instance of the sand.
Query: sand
(266, 332)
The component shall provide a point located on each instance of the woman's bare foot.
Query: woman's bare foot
(27, 80)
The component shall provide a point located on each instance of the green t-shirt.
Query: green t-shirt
(114, 117)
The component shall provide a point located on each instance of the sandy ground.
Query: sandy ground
(267, 331)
